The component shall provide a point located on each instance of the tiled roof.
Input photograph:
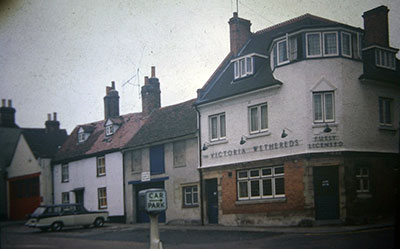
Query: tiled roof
(167, 123)
(42, 143)
(222, 84)
(8, 142)
(98, 142)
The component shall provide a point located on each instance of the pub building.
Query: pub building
(299, 124)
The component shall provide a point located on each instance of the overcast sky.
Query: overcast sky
(59, 55)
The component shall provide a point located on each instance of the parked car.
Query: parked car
(55, 217)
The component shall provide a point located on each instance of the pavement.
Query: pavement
(322, 229)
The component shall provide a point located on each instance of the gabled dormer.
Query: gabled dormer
(84, 133)
(112, 125)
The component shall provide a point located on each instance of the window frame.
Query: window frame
(219, 135)
(361, 178)
(101, 165)
(278, 54)
(320, 45)
(193, 191)
(64, 173)
(65, 198)
(324, 45)
(259, 119)
(109, 130)
(342, 44)
(243, 67)
(383, 112)
(323, 107)
(81, 137)
(260, 179)
(386, 59)
(102, 198)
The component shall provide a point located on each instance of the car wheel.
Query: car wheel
(99, 222)
(56, 226)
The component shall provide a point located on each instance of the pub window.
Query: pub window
(217, 127)
(101, 166)
(385, 111)
(64, 173)
(324, 107)
(362, 176)
(190, 196)
(102, 198)
(261, 183)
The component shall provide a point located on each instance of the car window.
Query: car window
(68, 210)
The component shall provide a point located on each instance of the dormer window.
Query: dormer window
(81, 137)
(112, 125)
(385, 59)
(243, 67)
(84, 132)
(109, 130)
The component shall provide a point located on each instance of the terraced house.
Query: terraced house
(299, 124)
(88, 167)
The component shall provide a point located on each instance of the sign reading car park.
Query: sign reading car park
(153, 200)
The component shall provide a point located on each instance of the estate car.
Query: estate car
(55, 217)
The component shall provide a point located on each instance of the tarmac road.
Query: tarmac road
(181, 237)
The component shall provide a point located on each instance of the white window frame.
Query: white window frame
(383, 111)
(323, 107)
(260, 178)
(362, 176)
(101, 166)
(350, 44)
(320, 45)
(65, 197)
(81, 137)
(109, 130)
(65, 172)
(279, 62)
(192, 190)
(337, 43)
(102, 197)
(243, 67)
(386, 59)
(258, 107)
(219, 128)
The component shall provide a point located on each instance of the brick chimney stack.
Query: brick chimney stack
(151, 99)
(7, 114)
(376, 27)
(111, 102)
(52, 125)
(239, 32)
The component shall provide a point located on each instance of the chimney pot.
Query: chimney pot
(146, 80)
(55, 116)
(113, 85)
(9, 103)
(49, 116)
(153, 71)
(3, 103)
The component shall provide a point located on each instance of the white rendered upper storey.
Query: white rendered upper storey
(307, 85)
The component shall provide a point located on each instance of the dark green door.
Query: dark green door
(326, 193)
(212, 200)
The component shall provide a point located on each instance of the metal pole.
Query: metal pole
(155, 242)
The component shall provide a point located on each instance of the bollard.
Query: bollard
(155, 242)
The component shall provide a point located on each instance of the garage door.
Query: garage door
(24, 197)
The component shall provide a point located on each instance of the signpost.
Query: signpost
(153, 201)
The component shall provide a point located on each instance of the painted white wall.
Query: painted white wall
(82, 173)
(23, 162)
(290, 108)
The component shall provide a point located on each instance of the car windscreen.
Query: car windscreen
(38, 211)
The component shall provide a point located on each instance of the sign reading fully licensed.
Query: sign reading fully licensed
(155, 200)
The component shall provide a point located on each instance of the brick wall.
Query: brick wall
(294, 191)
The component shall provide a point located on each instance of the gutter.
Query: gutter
(200, 169)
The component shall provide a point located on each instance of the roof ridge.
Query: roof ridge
(180, 103)
(295, 19)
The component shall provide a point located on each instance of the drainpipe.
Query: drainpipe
(200, 164)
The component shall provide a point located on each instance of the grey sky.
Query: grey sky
(58, 56)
